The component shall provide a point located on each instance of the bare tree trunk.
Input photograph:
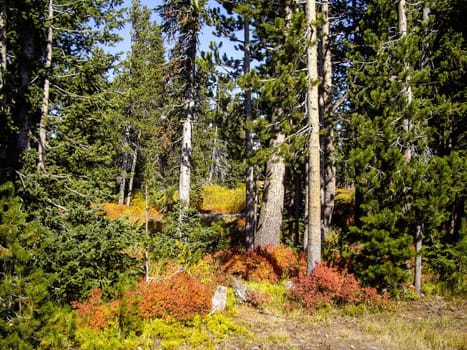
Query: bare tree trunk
(250, 172)
(328, 170)
(314, 201)
(133, 170)
(123, 173)
(25, 72)
(185, 164)
(3, 50)
(146, 229)
(270, 217)
(45, 94)
(122, 184)
(418, 260)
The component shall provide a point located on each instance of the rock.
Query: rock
(289, 286)
(240, 291)
(219, 299)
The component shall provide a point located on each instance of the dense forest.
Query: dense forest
(330, 141)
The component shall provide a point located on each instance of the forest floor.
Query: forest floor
(432, 323)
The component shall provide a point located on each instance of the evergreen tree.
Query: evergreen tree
(182, 21)
(393, 161)
(140, 90)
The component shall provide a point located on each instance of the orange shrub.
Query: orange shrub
(95, 313)
(328, 285)
(135, 212)
(271, 263)
(180, 297)
(177, 297)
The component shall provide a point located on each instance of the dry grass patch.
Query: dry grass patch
(422, 325)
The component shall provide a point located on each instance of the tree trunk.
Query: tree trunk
(147, 264)
(22, 114)
(133, 170)
(250, 173)
(328, 171)
(3, 50)
(270, 217)
(45, 93)
(185, 164)
(122, 185)
(418, 260)
(123, 173)
(314, 201)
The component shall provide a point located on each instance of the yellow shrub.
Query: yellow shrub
(135, 213)
(223, 200)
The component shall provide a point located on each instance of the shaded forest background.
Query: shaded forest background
(115, 167)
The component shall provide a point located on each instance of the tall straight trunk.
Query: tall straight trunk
(419, 233)
(418, 260)
(272, 205)
(122, 187)
(123, 173)
(133, 170)
(3, 50)
(328, 168)
(45, 93)
(314, 201)
(250, 173)
(213, 166)
(147, 264)
(22, 113)
(185, 164)
(407, 89)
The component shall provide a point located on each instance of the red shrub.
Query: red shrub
(328, 285)
(256, 298)
(180, 297)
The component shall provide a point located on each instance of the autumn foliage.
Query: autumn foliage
(176, 298)
(271, 263)
(95, 313)
(328, 285)
(135, 213)
(180, 297)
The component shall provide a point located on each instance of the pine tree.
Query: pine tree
(140, 90)
(392, 158)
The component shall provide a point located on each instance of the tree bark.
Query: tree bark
(133, 170)
(270, 217)
(45, 93)
(27, 59)
(314, 201)
(250, 173)
(123, 173)
(3, 51)
(185, 164)
(328, 170)
(418, 260)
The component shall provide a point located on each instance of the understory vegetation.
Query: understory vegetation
(310, 162)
